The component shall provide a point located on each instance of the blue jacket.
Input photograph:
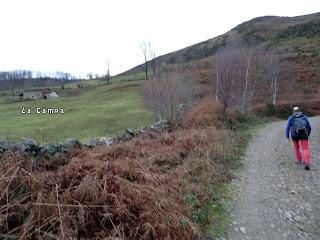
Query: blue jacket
(289, 129)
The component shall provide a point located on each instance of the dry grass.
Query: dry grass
(134, 190)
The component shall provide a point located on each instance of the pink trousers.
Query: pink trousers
(304, 152)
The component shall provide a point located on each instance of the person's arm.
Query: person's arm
(308, 126)
(288, 127)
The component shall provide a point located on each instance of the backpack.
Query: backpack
(299, 122)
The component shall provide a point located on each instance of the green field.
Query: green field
(88, 113)
(99, 82)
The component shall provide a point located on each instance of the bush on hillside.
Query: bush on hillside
(206, 113)
(209, 113)
(169, 96)
(308, 30)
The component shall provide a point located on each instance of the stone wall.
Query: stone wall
(31, 147)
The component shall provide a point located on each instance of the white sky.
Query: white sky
(79, 36)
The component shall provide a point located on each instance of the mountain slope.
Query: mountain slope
(298, 38)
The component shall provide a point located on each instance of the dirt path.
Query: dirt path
(277, 199)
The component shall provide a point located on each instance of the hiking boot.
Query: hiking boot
(307, 167)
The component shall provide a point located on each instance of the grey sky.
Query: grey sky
(79, 36)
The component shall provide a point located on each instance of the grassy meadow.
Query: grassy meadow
(99, 82)
(88, 113)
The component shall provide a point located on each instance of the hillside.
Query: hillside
(90, 111)
(167, 185)
(298, 38)
(176, 184)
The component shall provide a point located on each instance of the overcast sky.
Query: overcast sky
(79, 36)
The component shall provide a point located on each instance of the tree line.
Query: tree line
(27, 74)
(10, 80)
(241, 74)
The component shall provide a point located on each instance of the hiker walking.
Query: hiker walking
(299, 129)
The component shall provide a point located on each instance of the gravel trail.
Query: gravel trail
(277, 198)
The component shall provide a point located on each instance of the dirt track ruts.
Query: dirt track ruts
(277, 198)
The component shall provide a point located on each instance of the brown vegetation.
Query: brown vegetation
(134, 190)
(151, 186)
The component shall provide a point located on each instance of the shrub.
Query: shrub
(307, 30)
(206, 113)
(170, 96)
(270, 110)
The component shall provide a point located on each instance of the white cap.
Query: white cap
(295, 109)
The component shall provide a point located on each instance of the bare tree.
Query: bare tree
(152, 53)
(288, 73)
(108, 73)
(291, 87)
(217, 82)
(229, 72)
(90, 76)
(239, 69)
(169, 96)
(272, 73)
(254, 63)
(144, 48)
(246, 85)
